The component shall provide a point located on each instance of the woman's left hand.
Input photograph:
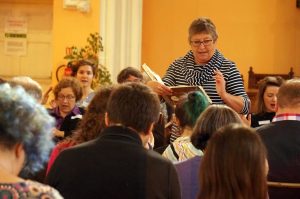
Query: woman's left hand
(220, 83)
(58, 133)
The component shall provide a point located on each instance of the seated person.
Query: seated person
(31, 87)
(116, 164)
(234, 165)
(213, 118)
(266, 100)
(2, 81)
(67, 115)
(282, 140)
(90, 127)
(188, 109)
(25, 141)
(130, 74)
(84, 71)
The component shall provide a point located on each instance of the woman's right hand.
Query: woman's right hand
(246, 119)
(159, 88)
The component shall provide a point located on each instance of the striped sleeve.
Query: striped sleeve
(235, 86)
(171, 77)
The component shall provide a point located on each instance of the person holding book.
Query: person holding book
(204, 65)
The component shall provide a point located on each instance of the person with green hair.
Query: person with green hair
(187, 111)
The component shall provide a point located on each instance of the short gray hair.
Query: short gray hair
(24, 121)
(203, 25)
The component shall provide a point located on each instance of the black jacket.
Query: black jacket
(115, 165)
(282, 140)
(70, 123)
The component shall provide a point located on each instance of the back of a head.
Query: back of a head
(127, 72)
(133, 105)
(24, 121)
(31, 87)
(234, 165)
(213, 118)
(189, 108)
(2, 81)
(289, 94)
(93, 120)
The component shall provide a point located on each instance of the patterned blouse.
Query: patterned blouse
(181, 149)
(184, 71)
(28, 189)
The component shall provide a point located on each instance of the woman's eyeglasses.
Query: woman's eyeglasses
(197, 43)
(68, 97)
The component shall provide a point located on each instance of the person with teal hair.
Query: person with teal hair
(187, 111)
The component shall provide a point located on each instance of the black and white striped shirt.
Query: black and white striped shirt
(185, 71)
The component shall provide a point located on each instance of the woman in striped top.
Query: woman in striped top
(204, 65)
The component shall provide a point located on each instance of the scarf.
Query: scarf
(199, 77)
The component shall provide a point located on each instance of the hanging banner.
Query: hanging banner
(15, 36)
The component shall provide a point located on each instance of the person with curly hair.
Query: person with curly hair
(90, 127)
(67, 114)
(25, 142)
(116, 164)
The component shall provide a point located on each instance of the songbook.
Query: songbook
(178, 91)
(151, 74)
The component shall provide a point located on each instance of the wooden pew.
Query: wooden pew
(254, 78)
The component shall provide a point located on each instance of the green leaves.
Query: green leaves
(90, 52)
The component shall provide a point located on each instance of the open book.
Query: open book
(178, 91)
(151, 74)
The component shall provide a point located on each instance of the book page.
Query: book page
(151, 74)
(178, 91)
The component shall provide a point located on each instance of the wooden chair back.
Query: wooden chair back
(253, 78)
(283, 184)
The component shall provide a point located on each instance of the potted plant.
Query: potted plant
(90, 52)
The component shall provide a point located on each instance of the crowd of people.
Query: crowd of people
(114, 141)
